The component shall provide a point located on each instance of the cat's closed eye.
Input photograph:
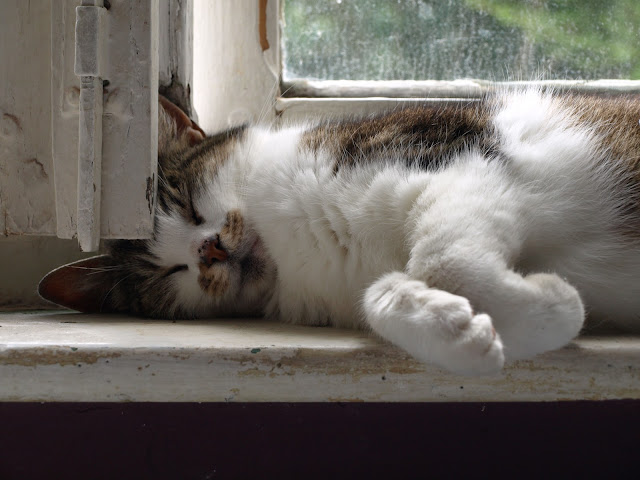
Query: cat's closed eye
(176, 269)
(195, 216)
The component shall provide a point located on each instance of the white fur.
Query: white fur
(437, 262)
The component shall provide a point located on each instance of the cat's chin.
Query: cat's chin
(251, 302)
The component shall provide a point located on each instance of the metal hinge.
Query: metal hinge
(89, 66)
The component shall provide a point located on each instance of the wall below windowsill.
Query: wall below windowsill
(65, 356)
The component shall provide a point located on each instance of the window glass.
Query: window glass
(451, 39)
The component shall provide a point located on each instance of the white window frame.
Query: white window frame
(298, 100)
(236, 64)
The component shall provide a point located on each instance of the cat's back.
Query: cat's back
(615, 120)
(431, 136)
(424, 136)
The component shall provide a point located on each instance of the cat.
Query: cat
(465, 234)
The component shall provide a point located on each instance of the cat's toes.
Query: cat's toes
(466, 343)
(474, 347)
(433, 325)
(477, 349)
(455, 311)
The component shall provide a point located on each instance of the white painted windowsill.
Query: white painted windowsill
(63, 356)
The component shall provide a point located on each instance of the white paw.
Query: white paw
(470, 344)
(433, 325)
(554, 319)
(477, 349)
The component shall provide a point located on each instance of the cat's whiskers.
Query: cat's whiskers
(103, 270)
(162, 177)
(95, 270)
(104, 299)
(268, 102)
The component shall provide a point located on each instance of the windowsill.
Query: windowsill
(440, 89)
(64, 356)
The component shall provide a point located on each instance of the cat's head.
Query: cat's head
(204, 258)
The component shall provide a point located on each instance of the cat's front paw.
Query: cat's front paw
(433, 325)
(476, 348)
(471, 345)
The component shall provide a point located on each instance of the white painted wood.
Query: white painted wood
(74, 357)
(129, 144)
(463, 88)
(89, 39)
(89, 163)
(235, 80)
(176, 52)
(392, 89)
(65, 104)
(26, 171)
(89, 66)
(130, 121)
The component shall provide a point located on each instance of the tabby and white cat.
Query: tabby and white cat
(463, 234)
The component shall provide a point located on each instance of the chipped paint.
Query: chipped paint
(15, 120)
(26, 189)
(129, 144)
(39, 111)
(262, 25)
(128, 359)
(39, 164)
(150, 192)
(52, 355)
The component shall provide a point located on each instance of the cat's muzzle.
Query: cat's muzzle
(211, 251)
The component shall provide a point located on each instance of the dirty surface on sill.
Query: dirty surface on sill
(62, 356)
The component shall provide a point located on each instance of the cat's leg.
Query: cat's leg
(532, 313)
(432, 325)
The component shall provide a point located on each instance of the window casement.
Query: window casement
(368, 55)
(104, 87)
(255, 84)
(221, 60)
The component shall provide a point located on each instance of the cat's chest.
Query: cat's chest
(330, 234)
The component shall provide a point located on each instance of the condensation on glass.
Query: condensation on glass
(493, 40)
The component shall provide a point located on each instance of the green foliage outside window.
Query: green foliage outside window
(449, 39)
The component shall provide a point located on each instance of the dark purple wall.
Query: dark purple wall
(210, 441)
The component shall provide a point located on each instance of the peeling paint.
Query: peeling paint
(35, 161)
(354, 365)
(262, 25)
(299, 364)
(15, 120)
(42, 356)
(234, 392)
(129, 100)
(150, 192)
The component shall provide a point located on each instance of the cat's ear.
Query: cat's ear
(175, 125)
(84, 285)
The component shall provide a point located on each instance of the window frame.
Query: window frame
(303, 97)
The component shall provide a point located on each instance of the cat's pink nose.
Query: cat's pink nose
(211, 251)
